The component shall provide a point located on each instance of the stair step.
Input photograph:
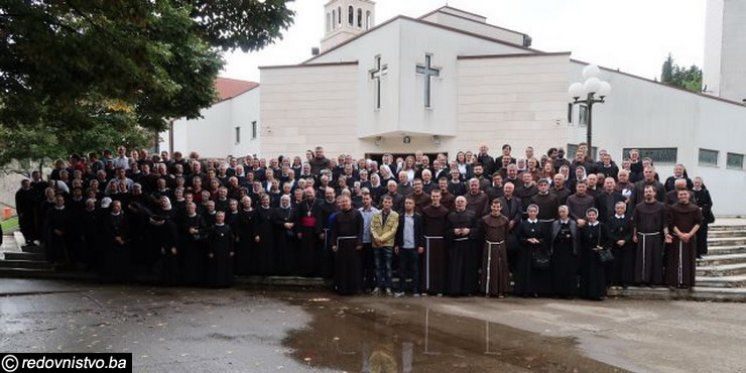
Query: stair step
(719, 228)
(698, 293)
(722, 270)
(722, 250)
(727, 241)
(26, 264)
(34, 273)
(722, 281)
(22, 255)
(33, 249)
(718, 294)
(713, 260)
(725, 234)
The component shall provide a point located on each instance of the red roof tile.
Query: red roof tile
(228, 88)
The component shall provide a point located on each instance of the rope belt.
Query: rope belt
(345, 238)
(644, 248)
(427, 258)
(489, 263)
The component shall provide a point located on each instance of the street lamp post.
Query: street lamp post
(592, 91)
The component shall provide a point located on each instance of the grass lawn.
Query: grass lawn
(9, 225)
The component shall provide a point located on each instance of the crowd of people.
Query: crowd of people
(472, 225)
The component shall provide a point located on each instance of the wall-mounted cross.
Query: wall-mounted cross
(429, 72)
(376, 74)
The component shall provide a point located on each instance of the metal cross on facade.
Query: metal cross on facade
(376, 74)
(429, 72)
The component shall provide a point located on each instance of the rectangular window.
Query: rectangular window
(238, 135)
(734, 161)
(254, 130)
(658, 155)
(573, 148)
(569, 113)
(583, 115)
(708, 157)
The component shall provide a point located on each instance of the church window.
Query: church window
(572, 149)
(254, 130)
(339, 15)
(569, 113)
(658, 155)
(238, 135)
(351, 15)
(359, 18)
(368, 20)
(583, 115)
(734, 161)
(708, 157)
(334, 19)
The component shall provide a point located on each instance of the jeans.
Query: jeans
(409, 261)
(383, 266)
(369, 269)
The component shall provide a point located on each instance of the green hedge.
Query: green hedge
(9, 225)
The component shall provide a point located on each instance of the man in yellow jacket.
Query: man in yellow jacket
(383, 231)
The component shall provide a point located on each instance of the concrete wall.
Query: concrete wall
(244, 110)
(733, 60)
(383, 42)
(445, 46)
(474, 26)
(515, 100)
(713, 46)
(641, 113)
(402, 45)
(302, 107)
(214, 135)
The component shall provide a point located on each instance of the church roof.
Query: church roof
(422, 22)
(454, 12)
(229, 88)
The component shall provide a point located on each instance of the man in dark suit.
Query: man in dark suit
(512, 209)
(409, 245)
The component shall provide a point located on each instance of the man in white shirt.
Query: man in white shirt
(369, 270)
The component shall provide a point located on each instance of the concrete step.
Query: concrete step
(718, 294)
(33, 249)
(722, 281)
(698, 293)
(726, 234)
(719, 228)
(723, 250)
(25, 264)
(45, 274)
(726, 241)
(722, 270)
(22, 255)
(713, 260)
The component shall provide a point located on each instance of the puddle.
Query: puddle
(405, 338)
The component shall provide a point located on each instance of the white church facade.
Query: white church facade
(449, 81)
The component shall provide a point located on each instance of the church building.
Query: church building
(450, 81)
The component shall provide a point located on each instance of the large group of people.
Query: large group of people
(471, 225)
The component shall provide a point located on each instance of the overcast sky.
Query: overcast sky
(632, 35)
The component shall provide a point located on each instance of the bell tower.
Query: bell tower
(724, 70)
(345, 19)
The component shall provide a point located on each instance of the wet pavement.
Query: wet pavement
(395, 337)
(263, 330)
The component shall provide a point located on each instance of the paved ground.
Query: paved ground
(172, 329)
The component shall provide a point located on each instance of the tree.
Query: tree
(686, 78)
(98, 69)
